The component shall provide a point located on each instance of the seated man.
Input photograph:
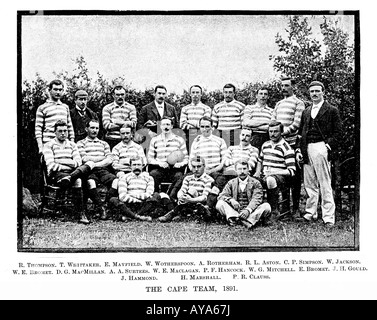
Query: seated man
(193, 193)
(160, 148)
(64, 166)
(212, 149)
(96, 153)
(122, 153)
(136, 194)
(241, 199)
(242, 151)
(276, 165)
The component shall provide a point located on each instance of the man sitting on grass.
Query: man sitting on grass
(241, 199)
(193, 194)
(137, 199)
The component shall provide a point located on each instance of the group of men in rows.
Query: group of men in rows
(216, 177)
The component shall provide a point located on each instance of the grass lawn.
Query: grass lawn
(184, 235)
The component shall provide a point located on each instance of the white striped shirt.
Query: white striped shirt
(277, 156)
(132, 186)
(212, 149)
(112, 111)
(289, 111)
(235, 153)
(258, 113)
(53, 151)
(124, 152)
(46, 117)
(227, 116)
(191, 114)
(160, 148)
(93, 150)
(201, 184)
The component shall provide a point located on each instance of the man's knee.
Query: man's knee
(271, 183)
(77, 183)
(91, 184)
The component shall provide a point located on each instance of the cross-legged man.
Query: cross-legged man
(241, 200)
(192, 196)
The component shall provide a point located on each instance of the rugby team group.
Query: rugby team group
(231, 162)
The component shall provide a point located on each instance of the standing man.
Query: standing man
(289, 111)
(227, 115)
(193, 193)
(64, 166)
(192, 113)
(242, 199)
(257, 117)
(95, 151)
(153, 112)
(81, 115)
(276, 165)
(116, 114)
(50, 112)
(320, 129)
(160, 148)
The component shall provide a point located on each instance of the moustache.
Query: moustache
(136, 171)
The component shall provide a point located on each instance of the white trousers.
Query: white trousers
(317, 181)
(226, 210)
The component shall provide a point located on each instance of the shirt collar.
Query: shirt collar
(242, 181)
(80, 110)
(159, 105)
(94, 140)
(319, 105)
(55, 102)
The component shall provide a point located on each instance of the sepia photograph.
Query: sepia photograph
(188, 131)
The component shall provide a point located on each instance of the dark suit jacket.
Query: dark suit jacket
(150, 112)
(330, 124)
(79, 123)
(254, 192)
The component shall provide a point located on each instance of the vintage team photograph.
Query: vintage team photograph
(188, 131)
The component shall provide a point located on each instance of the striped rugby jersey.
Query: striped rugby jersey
(193, 113)
(289, 111)
(46, 117)
(160, 148)
(132, 186)
(201, 184)
(53, 151)
(94, 150)
(124, 152)
(259, 113)
(235, 153)
(277, 156)
(112, 111)
(212, 149)
(228, 116)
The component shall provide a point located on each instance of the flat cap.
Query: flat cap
(81, 93)
(317, 83)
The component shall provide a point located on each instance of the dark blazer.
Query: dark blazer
(150, 112)
(330, 124)
(254, 192)
(79, 123)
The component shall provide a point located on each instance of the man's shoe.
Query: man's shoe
(143, 218)
(65, 182)
(247, 224)
(84, 219)
(103, 215)
(329, 225)
(167, 217)
(232, 221)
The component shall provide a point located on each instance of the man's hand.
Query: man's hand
(235, 204)
(164, 165)
(91, 164)
(179, 165)
(244, 214)
(152, 134)
(120, 174)
(299, 157)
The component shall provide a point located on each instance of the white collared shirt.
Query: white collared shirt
(160, 108)
(315, 109)
(242, 184)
